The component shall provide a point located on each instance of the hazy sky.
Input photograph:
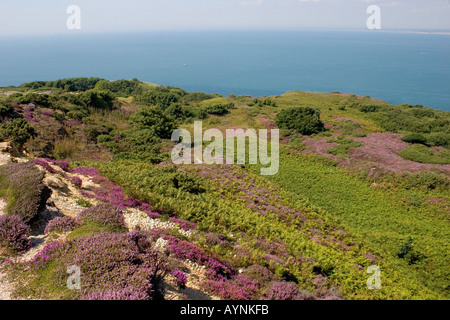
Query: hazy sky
(49, 16)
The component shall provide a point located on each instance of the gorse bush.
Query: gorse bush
(303, 120)
(17, 131)
(22, 185)
(13, 233)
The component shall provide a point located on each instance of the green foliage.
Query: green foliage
(42, 100)
(121, 88)
(439, 139)
(17, 131)
(380, 218)
(180, 112)
(415, 138)
(6, 110)
(198, 97)
(67, 85)
(161, 97)
(154, 118)
(303, 120)
(423, 154)
(219, 109)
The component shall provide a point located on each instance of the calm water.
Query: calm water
(399, 68)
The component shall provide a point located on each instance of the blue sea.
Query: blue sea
(396, 67)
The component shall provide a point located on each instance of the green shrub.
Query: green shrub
(304, 120)
(415, 138)
(159, 97)
(439, 139)
(18, 131)
(219, 109)
(423, 154)
(122, 88)
(155, 119)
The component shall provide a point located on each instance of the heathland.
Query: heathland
(88, 189)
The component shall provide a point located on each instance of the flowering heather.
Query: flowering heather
(61, 224)
(237, 289)
(112, 194)
(180, 278)
(73, 123)
(120, 294)
(145, 207)
(45, 254)
(103, 214)
(283, 291)
(186, 225)
(13, 233)
(113, 266)
(86, 171)
(188, 251)
(64, 165)
(23, 186)
(44, 164)
(46, 113)
(77, 182)
(28, 115)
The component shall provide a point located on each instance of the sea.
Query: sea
(399, 68)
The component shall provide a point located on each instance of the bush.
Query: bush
(423, 154)
(114, 266)
(105, 215)
(180, 278)
(439, 139)
(13, 233)
(415, 138)
(158, 97)
(124, 88)
(153, 118)
(61, 224)
(303, 120)
(77, 182)
(22, 185)
(283, 291)
(18, 131)
(219, 109)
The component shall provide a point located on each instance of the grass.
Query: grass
(92, 228)
(423, 154)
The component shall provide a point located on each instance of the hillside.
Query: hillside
(86, 180)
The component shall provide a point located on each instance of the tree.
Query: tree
(304, 120)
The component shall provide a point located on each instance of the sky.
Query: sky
(30, 17)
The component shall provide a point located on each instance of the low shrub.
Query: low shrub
(22, 185)
(103, 214)
(304, 120)
(282, 291)
(61, 224)
(13, 233)
(415, 138)
(423, 154)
